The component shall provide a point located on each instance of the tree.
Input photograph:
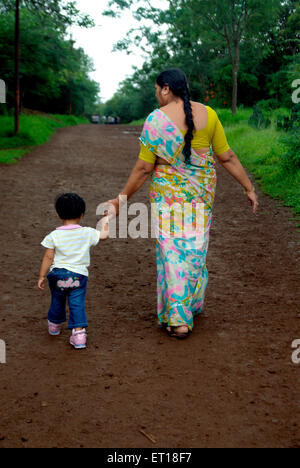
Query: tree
(62, 15)
(49, 62)
(191, 24)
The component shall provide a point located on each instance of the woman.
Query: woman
(176, 146)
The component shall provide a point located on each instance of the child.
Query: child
(67, 257)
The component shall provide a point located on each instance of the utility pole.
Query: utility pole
(70, 79)
(17, 67)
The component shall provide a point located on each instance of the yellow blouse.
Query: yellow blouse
(213, 134)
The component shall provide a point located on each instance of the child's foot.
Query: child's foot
(54, 328)
(78, 338)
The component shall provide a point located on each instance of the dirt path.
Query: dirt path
(231, 384)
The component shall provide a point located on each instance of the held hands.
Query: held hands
(114, 206)
(252, 199)
(104, 228)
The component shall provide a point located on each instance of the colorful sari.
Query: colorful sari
(182, 274)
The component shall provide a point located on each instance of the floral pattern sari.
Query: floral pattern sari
(176, 190)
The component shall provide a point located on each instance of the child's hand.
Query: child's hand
(41, 283)
(104, 228)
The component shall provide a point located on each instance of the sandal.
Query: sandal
(172, 332)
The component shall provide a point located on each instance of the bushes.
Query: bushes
(258, 120)
(291, 122)
(268, 104)
(290, 161)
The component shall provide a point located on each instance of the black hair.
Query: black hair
(69, 206)
(178, 84)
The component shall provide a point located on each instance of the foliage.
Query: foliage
(35, 129)
(263, 153)
(202, 37)
(290, 160)
(291, 122)
(258, 120)
(54, 75)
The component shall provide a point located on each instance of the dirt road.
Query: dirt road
(231, 384)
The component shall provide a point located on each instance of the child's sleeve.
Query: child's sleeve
(48, 242)
(95, 237)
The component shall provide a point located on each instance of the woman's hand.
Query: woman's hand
(252, 200)
(114, 206)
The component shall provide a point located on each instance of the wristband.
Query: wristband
(249, 191)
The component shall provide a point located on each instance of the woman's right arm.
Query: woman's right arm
(229, 160)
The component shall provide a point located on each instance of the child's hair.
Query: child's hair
(69, 206)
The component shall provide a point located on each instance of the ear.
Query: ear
(166, 90)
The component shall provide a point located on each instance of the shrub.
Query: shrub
(268, 104)
(258, 120)
(290, 161)
(291, 122)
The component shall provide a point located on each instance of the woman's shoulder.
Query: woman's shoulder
(205, 117)
(202, 107)
(152, 116)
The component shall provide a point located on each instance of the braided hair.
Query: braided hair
(178, 84)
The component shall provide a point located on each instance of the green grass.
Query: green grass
(137, 122)
(262, 152)
(34, 130)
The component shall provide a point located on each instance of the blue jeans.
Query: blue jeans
(65, 284)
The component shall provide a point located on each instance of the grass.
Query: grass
(34, 130)
(262, 153)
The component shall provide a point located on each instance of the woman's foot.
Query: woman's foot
(178, 332)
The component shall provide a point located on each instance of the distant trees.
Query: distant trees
(233, 51)
(52, 75)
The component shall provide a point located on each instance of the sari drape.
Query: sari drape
(182, 274)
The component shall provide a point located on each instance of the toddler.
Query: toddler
(67, 256)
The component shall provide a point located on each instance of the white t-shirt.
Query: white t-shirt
(72, 245)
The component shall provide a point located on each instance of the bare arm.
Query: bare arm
(46, 264)
(232, 164)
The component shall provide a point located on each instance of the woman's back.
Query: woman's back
(208, 129)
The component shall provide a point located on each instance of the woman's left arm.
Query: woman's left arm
(232, 164)
(136, 180)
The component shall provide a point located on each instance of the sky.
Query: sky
(110, 67)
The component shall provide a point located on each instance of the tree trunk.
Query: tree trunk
(70, 97)
(234, 90)
(17, 67)
(236, 67)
